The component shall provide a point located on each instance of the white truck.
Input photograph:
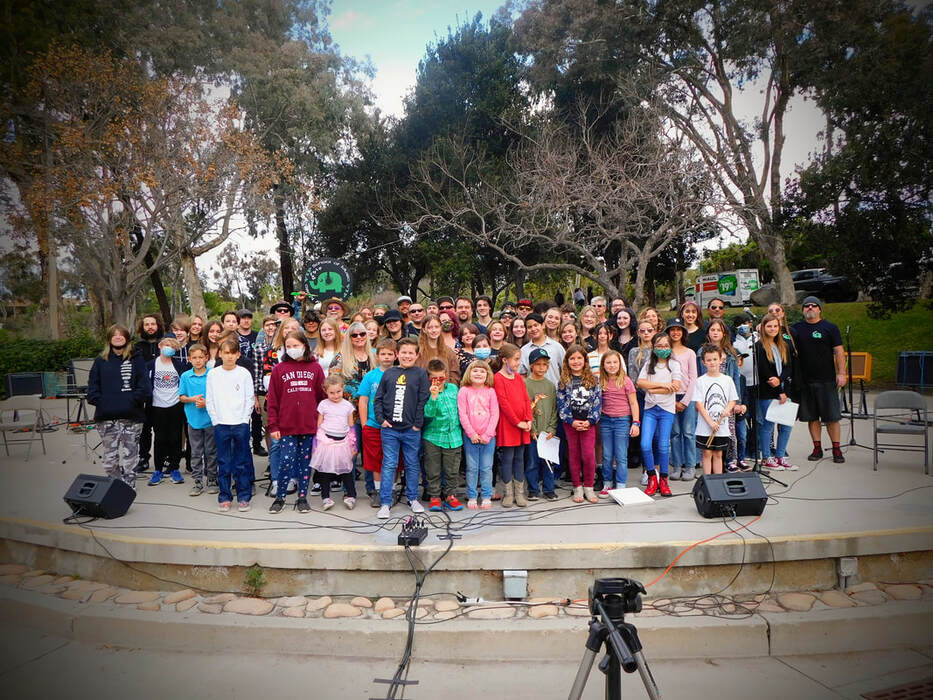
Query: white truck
(734, 287)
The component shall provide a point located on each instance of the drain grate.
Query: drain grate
(920, 690)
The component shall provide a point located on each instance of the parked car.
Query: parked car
(823, 284)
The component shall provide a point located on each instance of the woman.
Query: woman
(683, 430)
(692, 317)
(366, 310)
(588, 322)
(392, 325)
(518, 336)
(212, 333)
(329, 344)
(497, 333)
(355, 358)
(651, 314)
(195, 330)
(431, 345)
(626, 337)
(569, 335)
(552, 323)
(450, 328)
(775, 363)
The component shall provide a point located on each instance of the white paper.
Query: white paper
(549, 449)
(783, 413)
(630, 497)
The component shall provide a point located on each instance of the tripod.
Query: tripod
(852, 414)
(610, 599)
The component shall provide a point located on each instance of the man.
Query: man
(150, 331)
(525, 307)
(822, 370)
(464, 309)
(445, 304)
(403, 304)
(599, 303)
(230, 320)
(245, 333)
(483, 306)
(281, 310)
(416, 313)
(617, 305)
(534, 326)
(430, 308)
(716, 308)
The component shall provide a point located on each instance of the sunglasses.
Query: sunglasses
(416, 311)
(811, 306)
(717, 308)
(358, 335)
(334, 307)
(446, 308)
(645, 330)
(281, 311)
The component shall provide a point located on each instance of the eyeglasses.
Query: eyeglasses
(645, 330)
(334, 307)
(717, 308)
(446, 307)
(416, 311)
(811, 306)
(281, 311)
(358, 335)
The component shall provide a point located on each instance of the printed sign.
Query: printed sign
(328, 278)
(728, 284)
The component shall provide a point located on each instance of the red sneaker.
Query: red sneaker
(664, 487)
(435, 504)
(452, 503)
(652, 487)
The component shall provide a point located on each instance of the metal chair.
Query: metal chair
(15, 418)
(901, 413)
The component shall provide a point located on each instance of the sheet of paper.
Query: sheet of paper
(783, 413)
(630, 497)
(549, 449)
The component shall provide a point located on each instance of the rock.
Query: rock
(335, 610)
(85, 585)
(249, 606)
(837, 599)
(64, 580)
(18, 569)
(491, 613)
(293, 601)
(76, 594)
(10, 579)
(769, 606)
(52, 589)
(294, 611)
(764, 295)
(904, 591)
(577, 610)
(447, 605)
(320, 603)
(861, 587)
(219, 598)
(151, 606)
(445, 615)
(35, 572)
(392, 613)
(186, 605)
(420, 612)
(103, 594)
(425, 603)
(797, 602)
(137, 597)
(383, 604)
(362, 602)
(179, 596)
(34, 582)
(211, 608)
(875, 597)
(544, 610)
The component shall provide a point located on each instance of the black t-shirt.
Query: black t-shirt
(815, 343)
(246, 343)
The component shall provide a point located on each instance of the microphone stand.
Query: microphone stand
(852, 415)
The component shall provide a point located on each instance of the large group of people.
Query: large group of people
(439, 391)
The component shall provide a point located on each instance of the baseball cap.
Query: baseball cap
(538, 354)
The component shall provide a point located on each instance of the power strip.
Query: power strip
(413, 533)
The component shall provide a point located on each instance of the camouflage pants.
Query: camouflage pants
(120, 439)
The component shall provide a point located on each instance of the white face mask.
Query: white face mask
(295, 353)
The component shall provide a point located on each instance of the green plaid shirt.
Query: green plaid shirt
(441, 419)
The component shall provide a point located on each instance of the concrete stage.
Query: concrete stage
(170, 540)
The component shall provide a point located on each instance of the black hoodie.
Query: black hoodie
(119, 388)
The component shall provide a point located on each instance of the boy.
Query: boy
(715, 396)
(168, 416)
(399, 409)
(543, 396)
(229, 402)
(443, 438)
(372, 437)
(191, 391)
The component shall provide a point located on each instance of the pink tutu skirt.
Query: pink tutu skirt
(333, 456)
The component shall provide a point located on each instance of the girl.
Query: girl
(179, 327)
(660, 379)
(468, 333)
(118, 387)
(683, 430)
(717, 334)
(604, 338)
(775, 362)
(637, 357)
(618, 420)
(195, 330)
(650, 314)
(517, 333)
(693, 321)
(372, 330)
(514, 429)
(212, 333)
(167, 412)
(481, 351)
(271, 358)
(431, 345)
(579, 399)
(366, 311)
(497, 332)
(329, 344)
(626, 337)
(295, 389)
(478, 408)
(552, 323)
(357, 318)
(336, 444)
(588, 322)
(568, 334)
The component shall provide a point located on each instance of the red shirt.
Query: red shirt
(295, 388)
(514, 407)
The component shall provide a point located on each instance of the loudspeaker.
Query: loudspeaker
(739, 493)
(99, 496)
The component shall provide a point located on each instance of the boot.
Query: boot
(652, 487)
(507, 497)
(520, 494)
(665, 487)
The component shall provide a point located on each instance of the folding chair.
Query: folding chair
(22, 415)
(901, 413)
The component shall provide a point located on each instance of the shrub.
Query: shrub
(23, 355)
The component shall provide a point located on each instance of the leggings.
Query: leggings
(581, 449)
(512, 463)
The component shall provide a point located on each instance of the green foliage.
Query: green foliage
(254, 581)
(21, 355)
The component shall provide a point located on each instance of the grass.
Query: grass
(911, 330)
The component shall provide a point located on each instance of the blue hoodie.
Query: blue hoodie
(119, 388)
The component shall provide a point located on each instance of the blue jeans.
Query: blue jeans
(765, 430)
(656, 423)
(537, 471)
(275, 459)
(408, 442)
(234, 460)
(479, 465)
(614, 433)
(683, 437)
(296, 464)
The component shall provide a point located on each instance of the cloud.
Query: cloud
(351, 19)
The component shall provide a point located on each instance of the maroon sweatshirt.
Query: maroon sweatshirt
(295, 388)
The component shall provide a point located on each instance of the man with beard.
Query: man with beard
(822, 368)
(150, 330)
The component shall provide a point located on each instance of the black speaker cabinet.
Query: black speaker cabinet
(99, 496)
(739, 493)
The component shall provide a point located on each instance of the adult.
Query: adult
(392, 325)
(692, 317)
(403, 304)
(650, 314)
(245, 333)
(552, 323)
(599, 303)
(464, 308)
(534, 325)
(589, 319)
(431, 346)
(229, 320)
(524, 307)
(483, 305)
(822, 371)
(150, 330)
(336, 309)
(775, 365)
(444, 304)
(416, 313)
(626, 331)
(450, 328)
(617, 305)
(717, 309)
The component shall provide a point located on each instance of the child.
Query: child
(775, 364)
(229, 402)
(514, 429)
(478, 408)
(543, 396)
(118, 386)
(399, 409)
(336, 444)
(718, 335)
(660, 380)
(191, 391)
(296, 386)
(372, 437)
(442, 438)
(683, 429)
(715, 396)
(618, 421)
(168, 416)
(579, 399)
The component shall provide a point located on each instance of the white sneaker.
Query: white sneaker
(644, 479)
(416, 506)
(273, 488)
(292, 486)
(383, 513)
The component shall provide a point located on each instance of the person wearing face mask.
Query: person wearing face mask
(168, 414)
(118, 387)
(744, 339)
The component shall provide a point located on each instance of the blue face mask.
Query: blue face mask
(482, 353)
(744, 330)
(662, 353)
(168, 351)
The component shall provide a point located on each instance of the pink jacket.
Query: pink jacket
(688, 373)
(479, 411)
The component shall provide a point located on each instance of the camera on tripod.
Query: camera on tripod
(629, 590)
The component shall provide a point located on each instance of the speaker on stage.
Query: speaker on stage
(99, 496)
(738, 493)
